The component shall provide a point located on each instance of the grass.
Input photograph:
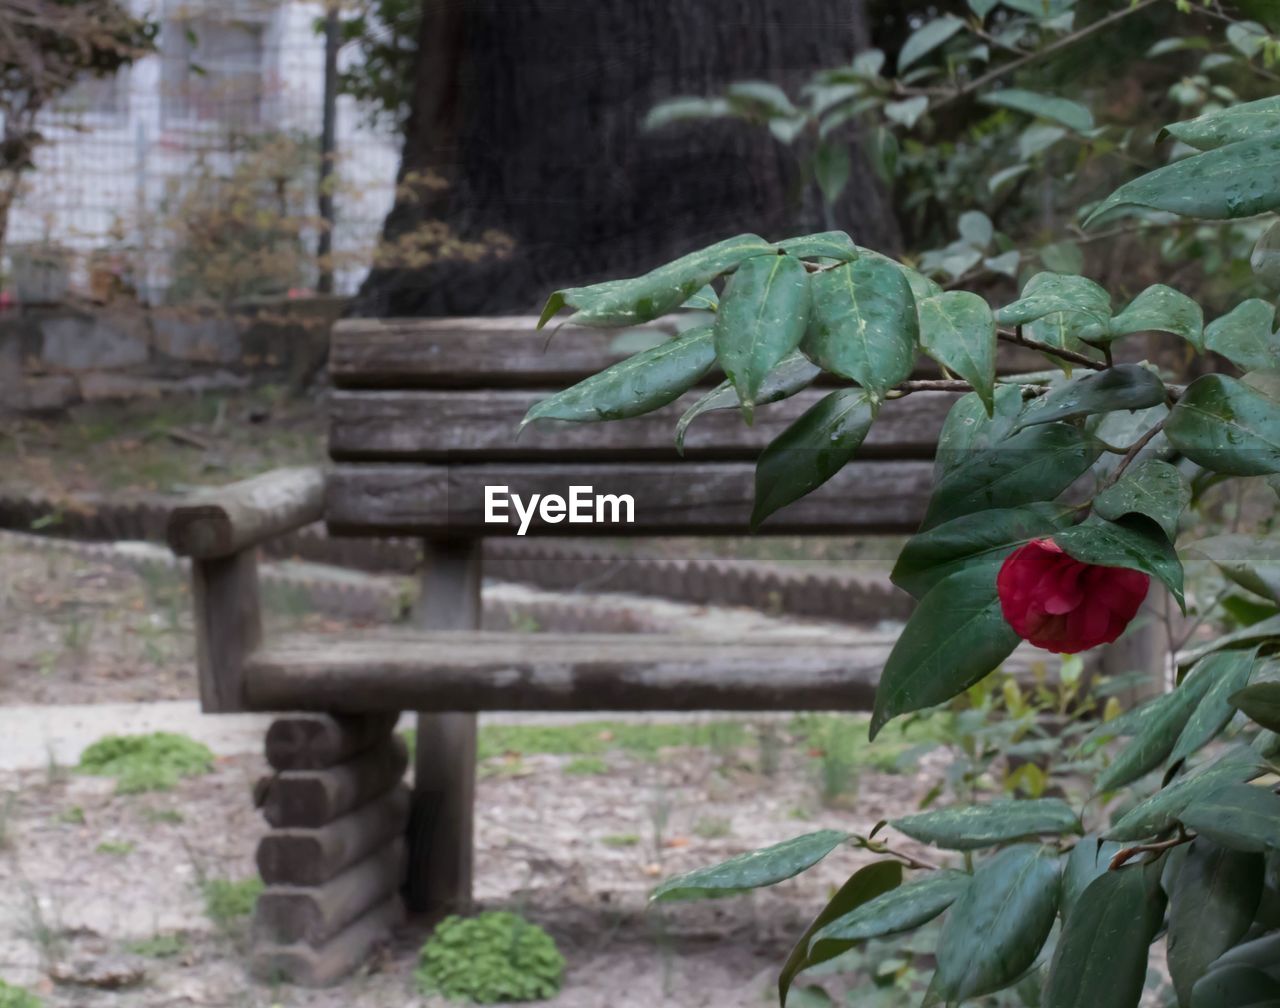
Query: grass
(73, 816)
(595, 738)
(116, 848)
(712, 828)
(17, 997)
(155, 816)
(227, 901)
(620, 840)
(167, 945)
(153, 762)
(586, 766)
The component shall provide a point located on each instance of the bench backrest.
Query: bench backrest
(425, 412)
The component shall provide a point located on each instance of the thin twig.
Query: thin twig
(950, 385)
(1015, 336)
(910, 860)
(1159, 847)
(978, 83)
(1133, 451)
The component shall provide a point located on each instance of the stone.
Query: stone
(203, 340)
(74, 342)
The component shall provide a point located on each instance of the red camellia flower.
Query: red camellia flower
(1063, 605)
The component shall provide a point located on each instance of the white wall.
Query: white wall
(102, 175)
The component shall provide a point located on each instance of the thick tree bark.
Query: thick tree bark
(533, 112)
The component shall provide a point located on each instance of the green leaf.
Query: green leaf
(1259, 632)
(926, 38)
(1062, 257)
(1123, 387)
(1160, 812)
(969, 430)
(1135, 542)
(639, 299)
(685, 108)
(1067, 113)
(760, 96)
(1239, 816)
(994, 931)
(754, 869)
(812, 450)
(1244, 336)
(1229, 126)
(1252, 562)
(956, 637)
(1236, 987)
(958, 330)
(902, 909)
(969, 827)
(1226, 426)
(983, 538)
(1155, 740)
(1259, 702)
(1101, 958)
(1049, 293)
(824, 245)
(1227, 183)
(832, 166)
(976, 228)
(1088, 859)
(1038, 138)
(1035, 464)
(908, 111)
(705, 299)
(794, 373)
(1227, 672)
(1152, 488)
(762, 317)
(865, 887)
(1265, 258)
(642, 383)
(1161, 309)
(1210, 908)
(863, 324)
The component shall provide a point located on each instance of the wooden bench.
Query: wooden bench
(424, 416)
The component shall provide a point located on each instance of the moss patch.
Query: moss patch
(151, 762)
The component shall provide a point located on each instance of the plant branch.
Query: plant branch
(1129, 853)
(1133, 451)
(910, 860)
(978, 83)
(950, 385)
(1015, 336)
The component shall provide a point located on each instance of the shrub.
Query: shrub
(151, 762)
(497, 956)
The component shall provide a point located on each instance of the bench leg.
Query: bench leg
(334, 860)
(441, 819)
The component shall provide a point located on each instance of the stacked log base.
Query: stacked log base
(334, 861)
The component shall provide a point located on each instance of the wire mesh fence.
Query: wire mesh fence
(193, 174)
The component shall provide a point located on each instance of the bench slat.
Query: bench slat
(461, 671)
(482, 424)
(509, 352)
(671, 498)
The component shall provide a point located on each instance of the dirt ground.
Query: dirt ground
(99, 889)
(88, 875)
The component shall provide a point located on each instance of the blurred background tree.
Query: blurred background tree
(533, 115)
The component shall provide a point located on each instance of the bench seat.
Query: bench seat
(394, 670)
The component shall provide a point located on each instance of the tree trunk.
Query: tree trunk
(533, 111)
